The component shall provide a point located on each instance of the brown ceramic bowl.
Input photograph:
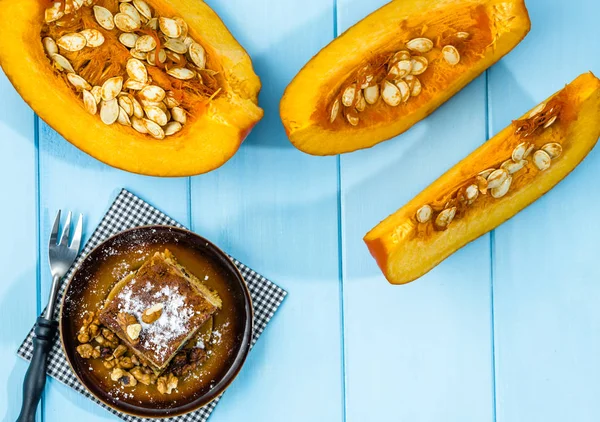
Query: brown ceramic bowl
(230, 341)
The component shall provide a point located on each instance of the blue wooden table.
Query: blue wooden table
(506, 330)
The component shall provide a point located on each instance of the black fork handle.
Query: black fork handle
(35, 378)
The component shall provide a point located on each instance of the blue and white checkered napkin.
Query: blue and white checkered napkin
(129, 211)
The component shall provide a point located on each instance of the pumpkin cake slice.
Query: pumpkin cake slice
(157, 309)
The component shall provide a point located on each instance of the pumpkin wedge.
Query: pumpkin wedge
(496, 181)
(394, 68)
(153, 87)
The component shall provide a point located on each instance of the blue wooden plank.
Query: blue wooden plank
(425, 352)
(275, 209)
(18, 247)
(545, 273)
(72, 180)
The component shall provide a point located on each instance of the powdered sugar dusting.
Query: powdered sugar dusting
(173, 322)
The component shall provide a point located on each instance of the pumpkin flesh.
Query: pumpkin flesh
(216, 125)
(493, 28)
(405, 249)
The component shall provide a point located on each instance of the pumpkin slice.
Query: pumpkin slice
(394, 68)
(496, 181)
(153, 87)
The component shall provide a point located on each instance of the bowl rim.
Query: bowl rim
(238, 361)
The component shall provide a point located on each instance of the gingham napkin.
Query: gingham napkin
(129, 211)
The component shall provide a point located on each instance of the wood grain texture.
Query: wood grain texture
(546, 289)
(18, 246)
(425, 353)
(275, 209)
(420, 352)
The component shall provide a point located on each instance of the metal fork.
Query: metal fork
(61, 256)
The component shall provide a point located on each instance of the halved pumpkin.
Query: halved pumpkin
(218, 104)
(422, 49)
(496, 181)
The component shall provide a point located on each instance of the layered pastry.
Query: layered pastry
(156, 310)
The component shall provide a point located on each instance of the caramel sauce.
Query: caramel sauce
(227, 332)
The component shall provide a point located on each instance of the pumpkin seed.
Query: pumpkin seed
(188, 41)
(93, 37)
(335, 110)
(445, 217)
(419, 65)
(416, 87)
(152, 24)
(512, 167)
(471, 193)
(151, 57)
(361, 104)
(88, 3)
(111, 88)
(553, 149)
(348, 95)
(371, 94)
(172, 128)
(171, 55)
(50, 46)
(422, 45)
(136, 71)
(184, 27)
(140, 55)
(130, 10)
(54, 12)
(481, 184)
(138, 111)
(123, 117)
(390, 94)
(496, 178)
(542, 160)
(404, 90)
(154, 129)
(529, 150)
(424, 214)
(157, 115)
(109, 111)
(169, 27)
(519, 152)
(171, 102)
(78, 82)
(145, 43)
(550, 122)
(181, 73)
(62, 63)
(134, 85)
(126, 104)
(178, 114)
(143, 8)
(72, 42)
(138, 124)
(89, 102)
(462, 35)
(401, 69)
(126, 23)
(486, 173)
(176, 45)
(152, 93)
(104, 18)
(400, 55)
(352, 118)
(197, 55)
(537, 110)
(367, 82)
(451, 55)
(97, 93)
(128, 39)
(500, 191)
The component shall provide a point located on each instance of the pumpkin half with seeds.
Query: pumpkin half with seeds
(153, 87)
(496, 181)
(394, 68)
